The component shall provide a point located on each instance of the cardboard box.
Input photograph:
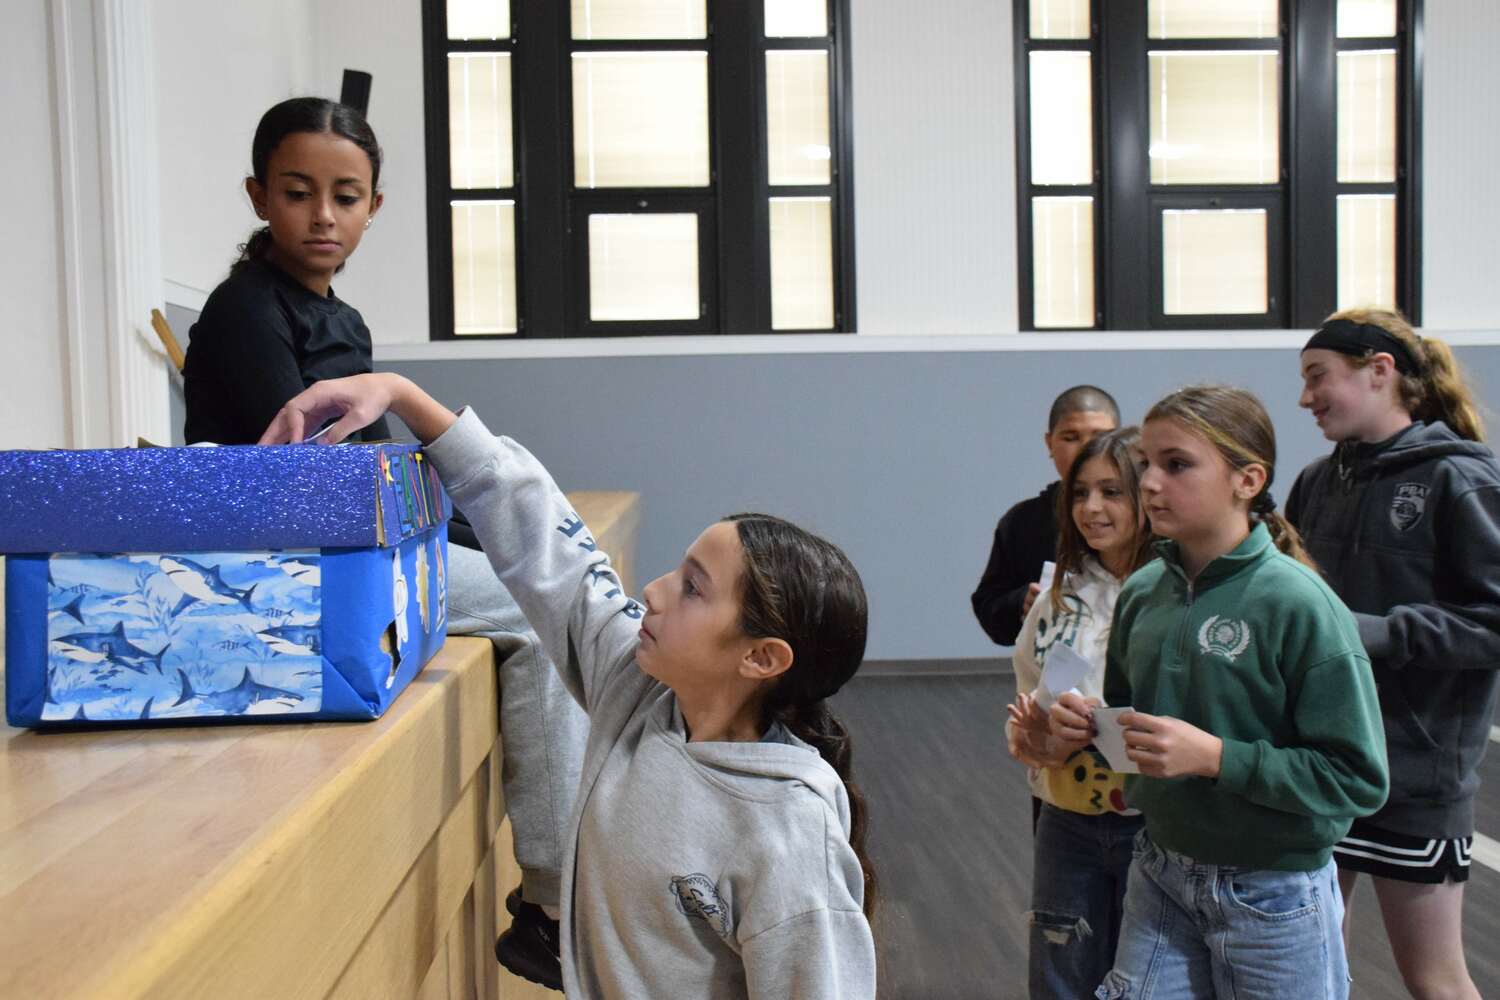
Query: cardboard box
(157, 584)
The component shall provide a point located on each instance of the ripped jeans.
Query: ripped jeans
(1077, 890)
(1195, 930)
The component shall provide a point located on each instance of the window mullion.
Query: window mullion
(1127, 278)
(541, 223)
(737, 83)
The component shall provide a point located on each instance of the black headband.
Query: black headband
(1359, 339)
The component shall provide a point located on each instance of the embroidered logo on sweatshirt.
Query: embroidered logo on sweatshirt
(697, 896)
(1407, 505)
(1225, 636)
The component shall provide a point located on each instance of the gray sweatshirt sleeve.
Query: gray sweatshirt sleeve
(542, 552)
(821, 955)
(1450, 635)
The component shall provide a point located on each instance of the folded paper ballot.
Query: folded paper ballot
(1110, 739)
(1049, 570)
(1065, 671)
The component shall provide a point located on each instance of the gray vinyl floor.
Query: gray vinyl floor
(951, 841)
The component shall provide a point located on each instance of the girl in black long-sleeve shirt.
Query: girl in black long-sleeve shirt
(274, 326)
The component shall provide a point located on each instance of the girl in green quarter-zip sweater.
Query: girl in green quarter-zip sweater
(1255, 724)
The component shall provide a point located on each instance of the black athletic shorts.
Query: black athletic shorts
(1398, 856)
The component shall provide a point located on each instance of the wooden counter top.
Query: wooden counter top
(296, 860)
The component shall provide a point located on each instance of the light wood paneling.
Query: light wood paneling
(251, 861)
(312, 860)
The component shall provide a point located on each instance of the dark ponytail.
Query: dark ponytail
(303, 114)
(803, 590)
(1283, 533)
(257, 247)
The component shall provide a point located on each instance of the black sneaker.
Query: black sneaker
(531, 946)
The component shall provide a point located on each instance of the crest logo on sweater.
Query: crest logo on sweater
(1407, 505)
(1224, 636)
(698, 896)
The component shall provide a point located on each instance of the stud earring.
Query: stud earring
(367, 223)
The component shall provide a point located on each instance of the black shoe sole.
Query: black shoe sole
(524, 970)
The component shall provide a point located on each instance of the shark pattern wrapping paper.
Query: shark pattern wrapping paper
(257, 634)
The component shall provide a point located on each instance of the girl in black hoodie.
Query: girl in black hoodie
(1404, 519)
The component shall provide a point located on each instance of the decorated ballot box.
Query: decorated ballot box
(296, 582)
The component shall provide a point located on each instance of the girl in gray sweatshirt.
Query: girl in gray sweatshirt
(1404, 520)
(717, 846)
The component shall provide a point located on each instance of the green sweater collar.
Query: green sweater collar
(1236, 559)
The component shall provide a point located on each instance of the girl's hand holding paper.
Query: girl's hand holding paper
(355, 401)
(1164, 747)
(1071, 720)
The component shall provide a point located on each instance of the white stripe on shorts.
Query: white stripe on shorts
(1386, 860)
(1385, 849)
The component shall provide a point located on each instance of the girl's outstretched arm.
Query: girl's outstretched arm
(534, 540)
(356, 402)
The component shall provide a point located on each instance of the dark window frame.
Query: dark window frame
(1303, 270)
(551, 239)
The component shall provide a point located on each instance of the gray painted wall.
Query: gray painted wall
(180, 319)
(906, 460)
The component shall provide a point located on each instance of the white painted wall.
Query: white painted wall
(1461, 140)
(33, 408)
(935, 215)
(934, 167)
(219, 67)
(386, 279)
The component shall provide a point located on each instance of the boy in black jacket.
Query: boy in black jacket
(1026, 536)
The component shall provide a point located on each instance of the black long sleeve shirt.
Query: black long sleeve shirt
(1025, 538)
(262, 338)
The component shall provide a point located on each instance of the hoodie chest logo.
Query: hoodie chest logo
(1407, 505)
(1224, 636)
(698, 896)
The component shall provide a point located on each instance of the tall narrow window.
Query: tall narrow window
(803, 195)
(1369, 176)
(481, 190)
(1059, 165)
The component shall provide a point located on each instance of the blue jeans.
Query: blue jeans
(1195, 930)
(1077, 889)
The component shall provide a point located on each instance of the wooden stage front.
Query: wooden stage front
(358, 860)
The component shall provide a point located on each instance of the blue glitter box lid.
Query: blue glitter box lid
(195, 499)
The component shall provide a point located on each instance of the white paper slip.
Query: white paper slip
(1065, 671)
(1049, 570)
(1110, 740)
